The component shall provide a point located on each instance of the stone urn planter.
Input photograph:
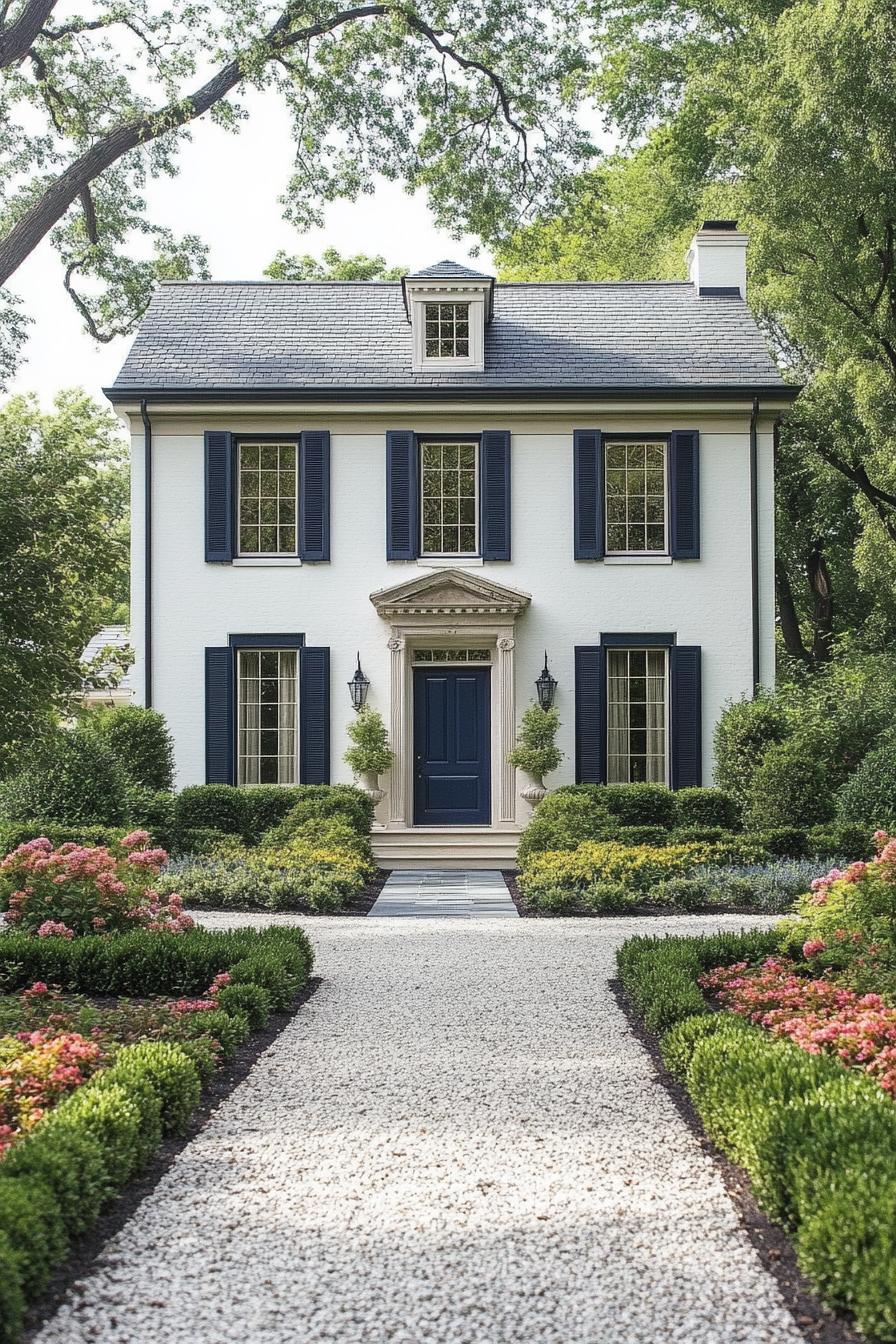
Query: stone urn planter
(534, 788)
(369, 783)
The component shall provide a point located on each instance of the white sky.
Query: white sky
(227, 193)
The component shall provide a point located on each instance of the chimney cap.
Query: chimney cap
(726, 225)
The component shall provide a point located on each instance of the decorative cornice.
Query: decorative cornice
(449, 592)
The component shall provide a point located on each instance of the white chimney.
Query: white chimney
(717, 258)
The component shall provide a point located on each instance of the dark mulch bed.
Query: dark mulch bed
(528, 911)
(86, 1249)
(816, 1321)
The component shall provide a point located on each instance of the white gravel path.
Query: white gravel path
(456, 1141)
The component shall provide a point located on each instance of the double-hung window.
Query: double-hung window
(449, 498)
(267, 498)
(267, 716)
(637, 716)
(635, 476)
(446, 333)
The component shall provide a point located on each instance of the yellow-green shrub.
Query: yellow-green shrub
(638, 867)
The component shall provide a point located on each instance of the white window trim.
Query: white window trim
(475, 294)
(450, 557)
(283, 561)
(238, 756)
(635, 556)
(265, 556)
(667, 735)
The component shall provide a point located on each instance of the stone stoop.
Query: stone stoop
(416, 847)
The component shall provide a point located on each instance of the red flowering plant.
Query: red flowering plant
(76, 889)
(37, 1069)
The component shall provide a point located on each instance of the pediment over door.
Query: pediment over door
(450, 592)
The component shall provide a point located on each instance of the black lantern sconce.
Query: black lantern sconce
(358, 688)
(546, 686)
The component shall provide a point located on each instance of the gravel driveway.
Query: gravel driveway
(456, 1141)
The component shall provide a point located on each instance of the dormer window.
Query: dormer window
(448, 307)
(447, 330)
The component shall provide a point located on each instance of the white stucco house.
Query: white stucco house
(445, 477)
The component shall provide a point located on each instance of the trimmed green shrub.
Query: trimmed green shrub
(847, 1246)
(783, 842)
(141, 964)
(641, 835)
(869, 797)
(123, 1077)
(140, 741)
(30, 1221)
(110, 1115)
(707, 808)
(271, 975)
(171, 1075)
(218, 807)
(15, 833)
(688, 835)
(12, 1303)
(265, 805)
(536, 749)
(743, 735)
(680, 1041)
(152, 811)
(204, 841)
(250, 1000)
(840, 840)
(73, 777)
(229, 1029)
(681, 893)
(70, 1164)
(790, 788)
(640, 804)
(318, 802)
(370, 751)
(563, 820)
(608, 898)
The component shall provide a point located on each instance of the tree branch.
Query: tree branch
(46, 212)
(16, 40)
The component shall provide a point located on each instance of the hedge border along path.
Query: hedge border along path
(458, 1139)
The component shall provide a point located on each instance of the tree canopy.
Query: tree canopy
(63, 553)
(332, 265)
(781, 115)
(475, 103)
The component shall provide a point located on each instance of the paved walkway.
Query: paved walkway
(458, 1140)
(431, 893)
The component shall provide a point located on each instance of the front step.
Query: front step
(444, 847)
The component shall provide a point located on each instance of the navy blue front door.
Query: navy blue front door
(452, 746)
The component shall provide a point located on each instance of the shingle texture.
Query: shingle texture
(316, 336)
(447, 270)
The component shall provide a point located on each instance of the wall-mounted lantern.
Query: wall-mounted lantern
(358, 688)
(546, 686)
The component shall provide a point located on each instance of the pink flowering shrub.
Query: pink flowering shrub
(819, 1015)
(859, 899)
(37, 1069)
(77, 889)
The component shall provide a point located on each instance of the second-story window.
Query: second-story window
(449, 505)
(636, 511)
(447, 330)
(267, 504)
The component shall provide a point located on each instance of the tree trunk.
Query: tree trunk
(822, 604)
(790, 625)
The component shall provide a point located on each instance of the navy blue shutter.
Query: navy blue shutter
(494, 471)
(588, 494)
(314, 716)
(219, 716)
(218, 496)
(686, 716)
(314, 494)
(401, 495)
(591, 702)
(684, 494)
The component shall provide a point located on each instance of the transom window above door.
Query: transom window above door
(449, 499)
(267, 723)
(446, 330)
(267, 498)
(637, 716)
(636, 491)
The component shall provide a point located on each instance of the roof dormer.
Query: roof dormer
(448, 306)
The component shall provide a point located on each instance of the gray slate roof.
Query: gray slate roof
(447, 270)
(323, 336)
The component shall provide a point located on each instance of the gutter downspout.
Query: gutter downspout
(754, 539)
(147, 553)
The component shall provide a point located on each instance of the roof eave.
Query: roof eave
(678, 392)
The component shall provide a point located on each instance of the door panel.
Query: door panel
(452, 746)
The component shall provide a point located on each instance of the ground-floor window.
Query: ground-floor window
(637, 684)
(267, 728)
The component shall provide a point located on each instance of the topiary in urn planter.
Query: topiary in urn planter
(536, 752)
